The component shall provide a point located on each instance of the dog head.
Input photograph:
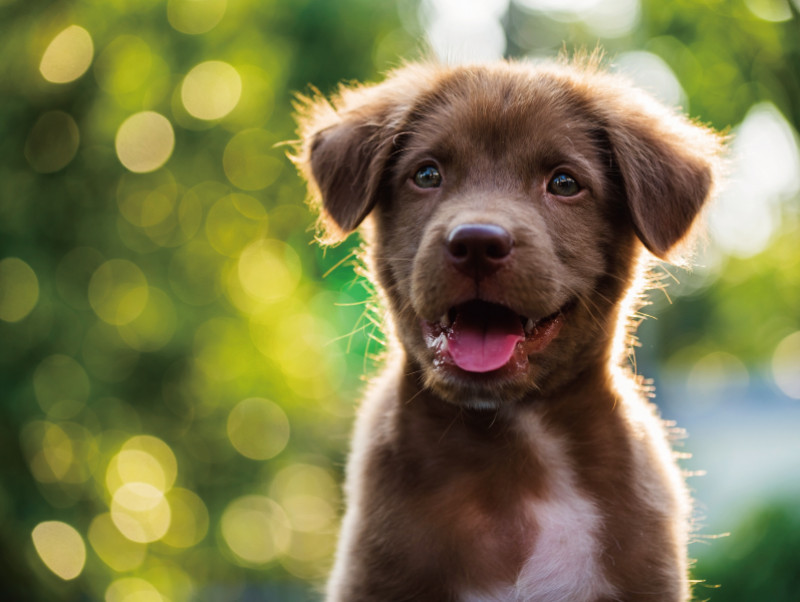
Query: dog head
(509, 205)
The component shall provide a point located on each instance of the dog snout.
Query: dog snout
(479, 250)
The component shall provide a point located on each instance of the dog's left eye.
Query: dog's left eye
(563, 185)
(428, 177)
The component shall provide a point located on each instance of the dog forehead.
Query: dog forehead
(526, 116)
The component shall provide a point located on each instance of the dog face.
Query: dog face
(509, 206)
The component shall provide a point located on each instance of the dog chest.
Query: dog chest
(563, 561)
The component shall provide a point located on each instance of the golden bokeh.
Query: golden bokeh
(308, 494)
(258, 428)
(118, 291)
(135, 466)
(211, 90)
(68, 55)
(190, 519)
(144, 141)
(132, 589)
(255, 529)
(146, 200)
(153, 328)
(113, 548)
(59, 452)
(173, 582)
(142, 459)
(233, 222)
(60, 547)
(195, 16)
(19, 289)
(141, 512)
(172, 338)
(269, 270)
(251, 161)
(49, 449)
(309, 555)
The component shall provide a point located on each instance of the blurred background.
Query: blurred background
(178, 360)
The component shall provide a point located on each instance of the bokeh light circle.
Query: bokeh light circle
(145, 141)
(68, 55)
(255, 529)
(308, 494)
(141, 512)
(269, 270)
(233, 222)
(52, 142)
(211, 90)
(258, 428)
(59, 452)
(153, 328)
(195, 16)
(146, 200)
(132, 589)
(251, 161)
(190, 519)
(143, 459)
(60, 547)
(113, 548)
(118, 291)
(19, 289)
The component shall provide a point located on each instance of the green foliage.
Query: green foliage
(759, 562)
(177, 366)
(180, 299)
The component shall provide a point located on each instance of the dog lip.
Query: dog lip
(537, 333)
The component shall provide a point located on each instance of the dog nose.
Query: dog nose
(478, 250)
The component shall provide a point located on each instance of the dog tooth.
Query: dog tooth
(444, 321)
(529, 326)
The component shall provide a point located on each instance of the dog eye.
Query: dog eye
(428, 177)
(563, 185)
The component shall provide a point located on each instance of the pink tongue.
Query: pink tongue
(484, 337)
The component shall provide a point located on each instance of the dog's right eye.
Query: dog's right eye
(428, 177)
(563, 185)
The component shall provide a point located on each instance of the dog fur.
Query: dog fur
(550, 478)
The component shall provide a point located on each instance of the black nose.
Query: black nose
(478, 250)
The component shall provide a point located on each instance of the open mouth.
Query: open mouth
(478, 336)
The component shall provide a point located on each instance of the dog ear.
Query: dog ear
(344, 148)
(668, 164)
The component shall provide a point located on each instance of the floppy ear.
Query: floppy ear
(668, 165)
(345, 146)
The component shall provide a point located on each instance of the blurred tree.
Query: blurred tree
(176, 368)
(760, 561)
(175, 390)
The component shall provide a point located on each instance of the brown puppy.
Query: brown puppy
(503, 455)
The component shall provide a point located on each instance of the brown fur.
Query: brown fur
(477, 486)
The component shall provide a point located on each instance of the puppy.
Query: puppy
(504, 454)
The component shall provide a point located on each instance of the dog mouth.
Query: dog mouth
(479, 336)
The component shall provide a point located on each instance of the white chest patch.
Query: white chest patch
(564, 561)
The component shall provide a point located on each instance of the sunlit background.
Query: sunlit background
(178, 361)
